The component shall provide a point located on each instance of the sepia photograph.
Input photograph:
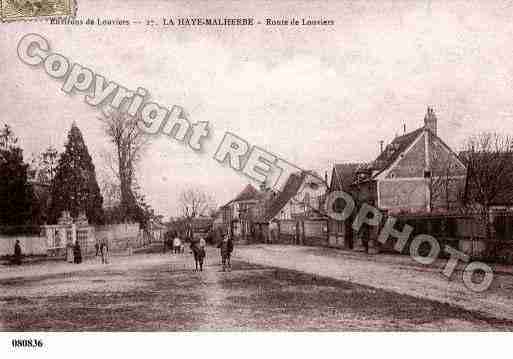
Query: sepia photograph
(252, 167)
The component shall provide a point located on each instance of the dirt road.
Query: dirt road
(161, 292)
(399, 274)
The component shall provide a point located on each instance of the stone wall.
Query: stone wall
(30, 245)
(119, 236)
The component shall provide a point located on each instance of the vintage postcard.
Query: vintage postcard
(255, 166)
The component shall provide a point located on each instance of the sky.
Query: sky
(313, 95)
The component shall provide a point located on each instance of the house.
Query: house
(296, 211)
(308, 198)
(342, 178)
(238, 214)
(419, 172)
(416, 173)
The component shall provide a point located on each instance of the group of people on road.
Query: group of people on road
(198, 248)
(178, 245)
(102, 250)
(225, 247)
(73, 253)
(173, 241)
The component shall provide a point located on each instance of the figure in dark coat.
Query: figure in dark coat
(226, 247)
(104, 250)
(199, 254)
(17, 253)
(77, 253)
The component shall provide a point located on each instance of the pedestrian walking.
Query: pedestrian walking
(97, 248)
(104, 250)
(168, 239)
(77, 253)
(199, 254)
(273, 231)
(69, 252)
(177, 245)
(17, 253)
(226, 249)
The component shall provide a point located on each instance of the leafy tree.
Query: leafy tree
(15, 192)
(74, 187)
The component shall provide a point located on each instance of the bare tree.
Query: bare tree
(489, 161)
(108, 179)
(110, 190)
(446, 182)
(129, 143)
(45, 165)
(195, 202)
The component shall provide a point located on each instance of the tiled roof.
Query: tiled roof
(394, 149)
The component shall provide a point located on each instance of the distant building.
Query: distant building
(238, 214)
(299, 205)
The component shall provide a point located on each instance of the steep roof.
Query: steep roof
(248, 193)
(290, 189)
(345, 174)
(392, 151)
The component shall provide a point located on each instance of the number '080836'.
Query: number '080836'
(27, 343)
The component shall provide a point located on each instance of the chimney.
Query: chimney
(381, 146)
(404, 128)
(430, 120)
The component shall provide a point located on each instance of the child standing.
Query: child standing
(226, 247)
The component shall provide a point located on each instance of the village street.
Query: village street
(269, 288)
